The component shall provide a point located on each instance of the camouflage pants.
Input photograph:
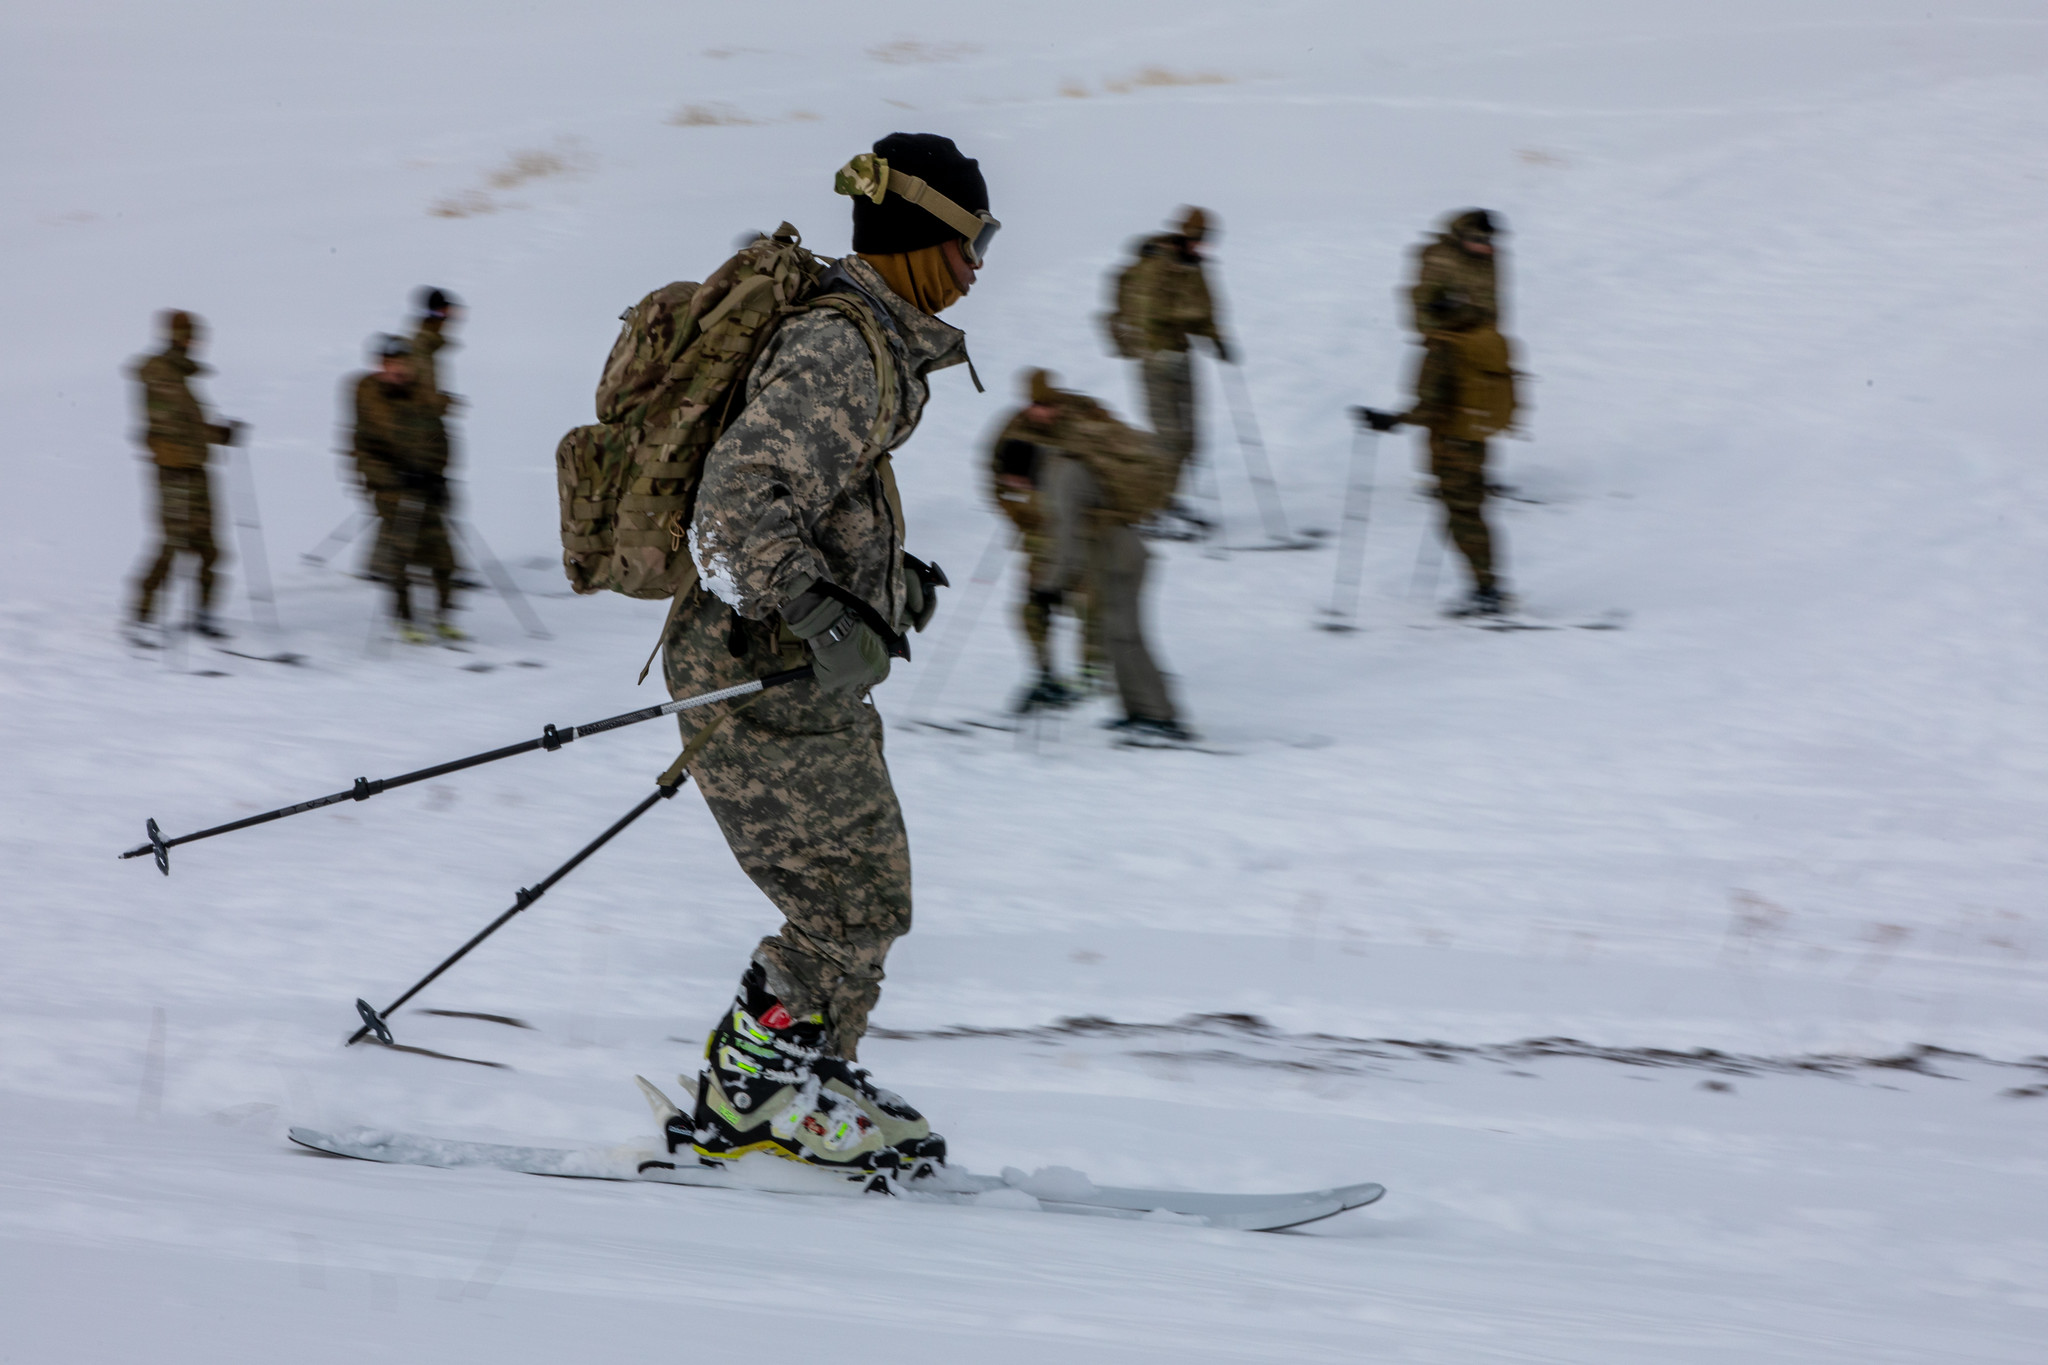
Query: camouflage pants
(185, 514)
(412, 531)
(1119, 590)
(1169, 379)
(1460, 470)
(1037, 619)
(798, 785)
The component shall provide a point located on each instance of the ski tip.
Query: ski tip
(664, 1108)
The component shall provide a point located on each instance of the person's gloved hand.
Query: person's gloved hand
(921, 584)
(1223, 351)
(237, 432)
(846, 654)
(1047, 599)
(1377, 420)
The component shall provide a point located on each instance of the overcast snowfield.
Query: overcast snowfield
(1775, 269)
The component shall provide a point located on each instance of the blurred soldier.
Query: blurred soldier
(1162, 299)
(438, 311)
(1096, 478)
(1464, 388)
(401, 454)
(1014, 470)
(178, 437)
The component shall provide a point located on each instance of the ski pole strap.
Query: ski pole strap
(892, 640)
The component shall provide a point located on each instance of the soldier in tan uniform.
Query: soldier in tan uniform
(179, 437)
(1163, 302)
(798, 541)
(1464, 387)
(400, 446)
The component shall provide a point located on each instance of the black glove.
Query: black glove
(235, 431)
(921, 584)
(1047, 599)
(1377, 420)
(1223, 352)
(846, 654)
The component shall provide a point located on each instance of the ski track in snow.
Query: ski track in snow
(1683, 983)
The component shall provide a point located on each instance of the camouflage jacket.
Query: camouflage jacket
(793, 490)
(1168, 300)
(176, 430)
(1452, 283)
(398, 440)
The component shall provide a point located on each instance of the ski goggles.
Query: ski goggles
(869, 177)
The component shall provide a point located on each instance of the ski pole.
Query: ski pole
(252, 548)
(934, 680)
(1343, 608)
(376, 1021)
(550, 739)
(1256, 465)
(339, 539)
(502, 581)
(1430, 540)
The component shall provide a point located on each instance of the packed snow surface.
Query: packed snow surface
(1683, 982)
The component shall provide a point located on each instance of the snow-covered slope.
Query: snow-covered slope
(1773, 269)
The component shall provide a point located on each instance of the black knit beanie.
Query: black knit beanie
(897, 225)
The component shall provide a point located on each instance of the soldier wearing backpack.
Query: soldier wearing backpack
(179, 437)
(1097, 478)
(1464, 388)
(1162, 301)
(742, 466)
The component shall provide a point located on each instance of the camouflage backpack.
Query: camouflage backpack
(1123, 324)
(673, 383)
(1137, 477)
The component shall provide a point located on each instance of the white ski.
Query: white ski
(1050, 1191)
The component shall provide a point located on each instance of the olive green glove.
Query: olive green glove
(846, 655)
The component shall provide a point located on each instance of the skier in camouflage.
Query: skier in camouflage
(178, 438)
(797, 536)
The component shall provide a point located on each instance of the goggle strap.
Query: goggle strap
(871, 177)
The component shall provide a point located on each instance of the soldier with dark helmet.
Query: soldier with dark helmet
(1162, 303)
(1464, 387)
(400, 447)
(797, 538)
(179, 439)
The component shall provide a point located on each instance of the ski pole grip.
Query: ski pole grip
(788, 675)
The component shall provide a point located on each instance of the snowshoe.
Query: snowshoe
(768, 1085)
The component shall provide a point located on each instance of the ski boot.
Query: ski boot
(1488, 601)
(204, 626)
(1097, 680)
(1047, 694)
(450, 632)
(412, 634)
(1140, 730)
(768, 1085)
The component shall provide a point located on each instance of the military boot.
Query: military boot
(205, 626)
(769, 1085)
(1487, 601)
